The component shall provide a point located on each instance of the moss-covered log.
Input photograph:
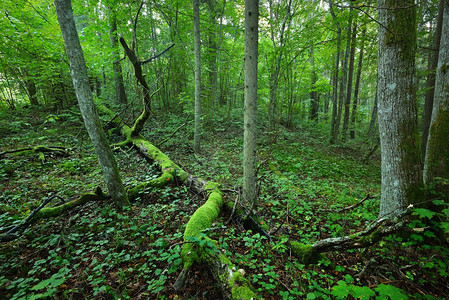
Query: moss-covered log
(50, 212)
(44, 213)
(310, 253)
(232, 282)
(39, 149)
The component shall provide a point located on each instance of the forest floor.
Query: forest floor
(94, 251)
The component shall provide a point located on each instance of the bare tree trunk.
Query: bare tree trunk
(250, 110)
(357, 85)
(334, 125)
(197, 46)
(373, 117)
(344, 77)
(87, 106)
(398, 125)
(31, 89)
(430, 84)
(120, 93)
(349, 87)
(437, 153)
(313, 93)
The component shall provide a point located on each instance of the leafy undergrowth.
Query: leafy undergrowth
(96, 252)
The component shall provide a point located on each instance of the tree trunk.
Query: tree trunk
(313, 93)
(397, 113)
(437, 153)
(197, 46)
(32, 93)
(344, 77)
(87, 106)
(250, 110)
(373, 117)
(430, 84)
(334, 125)
(357, 85)
(120, 93)
(349, 87)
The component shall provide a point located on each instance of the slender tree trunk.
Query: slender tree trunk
(432, 65)
(87, 106)
(373, 117)
(349, 87)
(398, 126)
(120, 93)
(313, 93)
(437, 153)
(31, 89)
(197, 46)
(250, 110)
(357, 85)
(334, 130)
(344, 77)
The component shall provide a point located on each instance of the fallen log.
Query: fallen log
(39, 149)
(373, 233)
(44, 213)
(232, 282)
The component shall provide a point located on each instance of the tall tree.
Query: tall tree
(437, 153)
(278, 27)
(313, 93)
(250, 110)
(349, 83)
(397, 112)
(357, 85)
(334, 124)
(120, 93)
(197, 47)
(430, 83)
(90, 116)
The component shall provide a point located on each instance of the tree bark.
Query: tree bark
(373, 117)
(357, 85)
(334, 125)
(430, 84)
(344, 77)
(120, 93)
(397, 113)
(197, 46)
(349, 86)
(437, 153)
(87, 106)
(313, 93)
(250, 109)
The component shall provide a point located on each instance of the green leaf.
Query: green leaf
(423, 213)
(362, 292)
(311, 296)
(390, 292)
(341, 291)
(445, 226)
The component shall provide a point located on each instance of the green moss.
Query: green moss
(241, 288)
(212, 186)
(304, 252)
(58, 210)
(200, 220)
(401, 27)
